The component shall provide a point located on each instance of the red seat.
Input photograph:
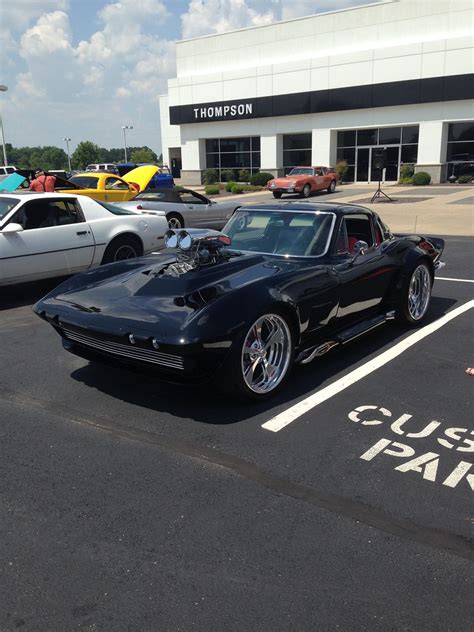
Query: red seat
(351, 244)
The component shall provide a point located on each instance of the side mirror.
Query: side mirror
(13, 228)
(360, 248)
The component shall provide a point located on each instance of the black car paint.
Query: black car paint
(201, 314)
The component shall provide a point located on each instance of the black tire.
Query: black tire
(277, 194)
(332, 187)
(175, 221)
(122, 248)
(231, 378)
(306, 192)
(418, 282)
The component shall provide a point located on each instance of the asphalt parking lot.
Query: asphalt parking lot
(343, 504)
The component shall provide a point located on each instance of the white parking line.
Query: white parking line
(458, 280)
(288, 416)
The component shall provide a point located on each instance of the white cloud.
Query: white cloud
(114, 75)
(204, 17)
(51, 34)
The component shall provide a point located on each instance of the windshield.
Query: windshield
(88, 182)
(6, 205)
(297, 234)
(115, 209)
(301, 171)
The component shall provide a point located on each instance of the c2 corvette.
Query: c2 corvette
(280, 285)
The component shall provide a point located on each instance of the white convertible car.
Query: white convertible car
(46, 235)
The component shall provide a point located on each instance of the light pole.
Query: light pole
(125, 127)
(68, 156)
(5, 162)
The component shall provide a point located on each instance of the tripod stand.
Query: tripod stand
(379, 193)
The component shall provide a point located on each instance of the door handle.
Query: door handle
(82, 232)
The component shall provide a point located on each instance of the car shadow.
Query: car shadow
(13, 296)
(206, 404)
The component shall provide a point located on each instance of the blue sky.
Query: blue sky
(84, 68)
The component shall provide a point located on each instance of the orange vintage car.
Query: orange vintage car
(304, 180)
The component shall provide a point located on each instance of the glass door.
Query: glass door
(363, 164)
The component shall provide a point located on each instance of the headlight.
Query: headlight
(171, 239)
(184, 240)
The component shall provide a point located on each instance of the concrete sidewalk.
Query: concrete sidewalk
(440, 215)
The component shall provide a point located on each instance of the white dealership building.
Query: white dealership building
(333, 86)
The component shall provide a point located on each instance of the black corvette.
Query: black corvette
(281, 284)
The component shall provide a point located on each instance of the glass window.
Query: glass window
(358, 229)
(284, 233)
(297, 141)
(115, 209)
(235, 160)
(188, 198)
(346, 138)
(152, 196)
(461, 131)
(212, 161)
(342, 245)
(367, 136)
(212, 145)
(255, 140)
(303, 171)
(461, 151)
(87, 182)
(389, 135)
(116, 183)
(294, 158)
(410, 134)
(6, 205)
(234, 144)
(347, 154)
(409, 153)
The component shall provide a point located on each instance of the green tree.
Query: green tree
(144, 154)
(86, 153)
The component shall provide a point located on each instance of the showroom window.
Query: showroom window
(296, 151)
(460, 155)
(233, 153)
(358, 149)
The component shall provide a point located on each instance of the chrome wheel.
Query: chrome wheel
(266, 353)
(306, 190)
(127, 251)
(332, 186)
(174, 223)
(419, 292)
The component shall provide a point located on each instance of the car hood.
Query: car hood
(141, 175)
(142, 299)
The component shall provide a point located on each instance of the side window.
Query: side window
(318, 172)
(116, 184)
(358, 229)
(189, 198)
(342, 245)
(67, 213)
(47, 213)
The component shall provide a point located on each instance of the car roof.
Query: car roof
(327, 207)
(34, 194)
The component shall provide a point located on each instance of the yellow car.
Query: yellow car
(108, 187)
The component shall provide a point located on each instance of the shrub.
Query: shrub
(406, 171)
(261, 178)
(252, 187)
(210, 176)
(229, 185)
(237, 188)
(421, 178)
(227, 175)
(407, 180)
(244, 175)
(212, 189)
(467, 178)
(341, 170)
